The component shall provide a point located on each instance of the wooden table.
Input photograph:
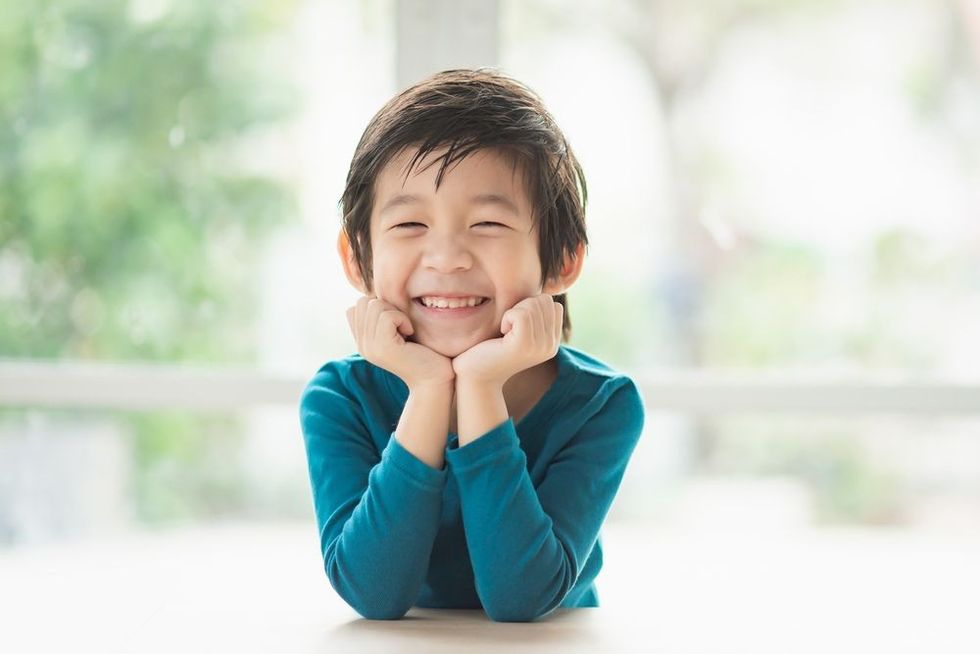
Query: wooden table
(254, 588)
(444, 630)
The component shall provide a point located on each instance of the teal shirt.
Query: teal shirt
(510, 524)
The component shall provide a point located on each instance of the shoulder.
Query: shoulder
(339, 405)
(589, 364)
(598, 387)
(338, 380)
(591, 372)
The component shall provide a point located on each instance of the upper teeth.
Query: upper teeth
(451, 303)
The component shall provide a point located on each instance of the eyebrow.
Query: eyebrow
(407, 199)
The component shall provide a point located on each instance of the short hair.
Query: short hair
(465, 111)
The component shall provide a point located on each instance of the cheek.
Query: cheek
(518, 277)
(389, 278)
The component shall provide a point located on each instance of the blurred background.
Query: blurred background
(785, 251)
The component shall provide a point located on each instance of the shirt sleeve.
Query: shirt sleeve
(527, 546)
(378, 515)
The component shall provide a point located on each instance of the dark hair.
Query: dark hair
(467, 110)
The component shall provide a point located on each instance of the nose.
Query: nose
(446, 252)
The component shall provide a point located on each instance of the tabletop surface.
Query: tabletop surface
(261, 588)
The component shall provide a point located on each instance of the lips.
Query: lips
(451, 296)
(447, 312)
(448, 296)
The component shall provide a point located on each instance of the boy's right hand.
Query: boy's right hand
(379, 329)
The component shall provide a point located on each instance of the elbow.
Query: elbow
(374, 608)
(369, 605)
(381, 612)
(511, 616)
(513, 613)
(530, 607)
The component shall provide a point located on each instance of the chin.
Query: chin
(449, 347)
(451, 350)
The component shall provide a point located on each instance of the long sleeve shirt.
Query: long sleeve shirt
(510, 524)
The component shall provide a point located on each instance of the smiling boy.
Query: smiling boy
(465, 457)
(473, 239)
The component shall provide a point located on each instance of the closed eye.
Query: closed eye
(488, 223)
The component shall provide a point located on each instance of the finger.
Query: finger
(390, 323)
(369, 321)
(548, 319)
(518, 313)
(378, 306)
(374, 309)
(509, 321)
(360, 310)
(394, 325)
(404, 324)
(538, 322)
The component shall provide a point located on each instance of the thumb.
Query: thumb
(403, 325)
(506, 323)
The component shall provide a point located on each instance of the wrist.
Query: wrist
(476, 384)
(480, 406)
(447, 387)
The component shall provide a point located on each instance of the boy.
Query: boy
(465, 458)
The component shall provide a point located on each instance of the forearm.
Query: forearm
(520, 567)
(480, 407)
(377, 564)
(377, 557)
(424, 423)
(499, 541)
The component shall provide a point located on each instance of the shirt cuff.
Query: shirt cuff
(413, 467)
(502, 439)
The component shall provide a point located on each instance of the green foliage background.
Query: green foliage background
(130, 221)
(129, 226)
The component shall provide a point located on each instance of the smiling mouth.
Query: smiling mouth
(422, 304)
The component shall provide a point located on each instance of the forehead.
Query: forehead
(490, 175)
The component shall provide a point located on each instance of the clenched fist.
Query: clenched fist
(379, 329)
(531, 334)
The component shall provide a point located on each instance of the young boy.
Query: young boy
(465, 457)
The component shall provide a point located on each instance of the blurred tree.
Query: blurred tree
(126, 225)
(733, 298)
(679, 45)
(938, 86)
(129, 216)
(847, 484)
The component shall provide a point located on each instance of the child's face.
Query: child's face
(445, 243)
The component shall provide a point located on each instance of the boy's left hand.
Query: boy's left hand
(531, 334)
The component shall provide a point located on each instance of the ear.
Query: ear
(346, 253)
(570, 270)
